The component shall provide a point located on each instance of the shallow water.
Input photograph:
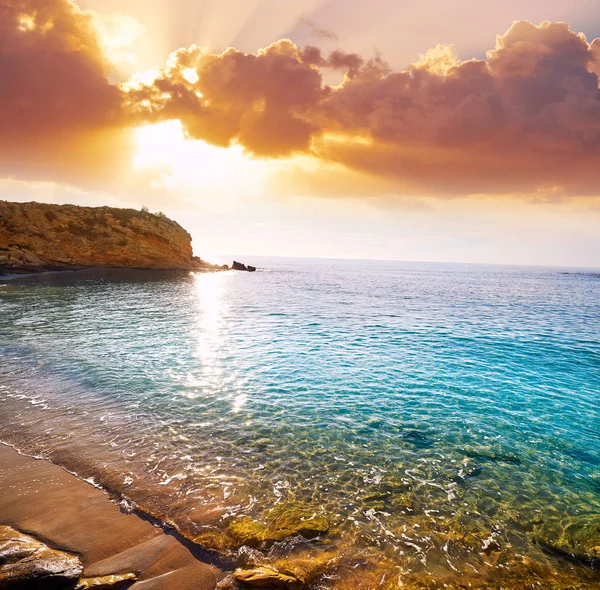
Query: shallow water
(436, 413)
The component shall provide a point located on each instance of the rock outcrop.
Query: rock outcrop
(37, 236)
(26, 563)
(240, 266)
(29, 564)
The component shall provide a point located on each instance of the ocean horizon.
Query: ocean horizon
(435, 422)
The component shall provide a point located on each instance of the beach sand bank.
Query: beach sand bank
(42, 500)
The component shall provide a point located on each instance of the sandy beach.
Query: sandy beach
(41, 499)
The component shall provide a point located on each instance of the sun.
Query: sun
(188, 163)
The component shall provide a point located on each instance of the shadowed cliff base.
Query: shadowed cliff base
(36, 237)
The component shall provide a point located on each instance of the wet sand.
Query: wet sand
(41, 499)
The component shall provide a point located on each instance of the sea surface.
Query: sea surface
(443, 417)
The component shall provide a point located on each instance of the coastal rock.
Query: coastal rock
(239, 266)
(38, 236)
(577, 538)
(113, 582)
(199, 264)
(29, 564)
(284, 520)
(267, 577)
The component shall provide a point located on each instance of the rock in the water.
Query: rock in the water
(285, 520)
(28, 564)
(239, 266)
(578, 538)
(228, 583)
(267, 577)
(113, 582)
(199, 264)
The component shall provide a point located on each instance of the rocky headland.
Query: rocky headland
(36, 237)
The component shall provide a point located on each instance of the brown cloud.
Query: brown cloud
(60, 117)
(526, 119)
(263, 101)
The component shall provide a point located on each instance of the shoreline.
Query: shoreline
(5, 275)
(45, 501)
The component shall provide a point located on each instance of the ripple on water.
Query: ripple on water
(444, 417)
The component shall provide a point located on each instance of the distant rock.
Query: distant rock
(29, 564)
(37, 236)
(239, 266)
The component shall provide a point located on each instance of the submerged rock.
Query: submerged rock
(29, 564)
(285, 520)
(577, 538)
(267, 577)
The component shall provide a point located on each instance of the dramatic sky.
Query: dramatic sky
(451, 130)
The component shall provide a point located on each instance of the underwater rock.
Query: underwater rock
(493, 455)
(213, 540)
(267, 577)
(284, 520)
(113, 582)
(29, 564)
(311, 563)
(377, 497)
(402, 502)
(577, 538)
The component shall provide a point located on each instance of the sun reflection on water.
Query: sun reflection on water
(210, 379)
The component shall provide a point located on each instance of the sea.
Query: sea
(444, 418)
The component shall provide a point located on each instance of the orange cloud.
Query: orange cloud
(60, 118)
(263, 101)
(526, 119)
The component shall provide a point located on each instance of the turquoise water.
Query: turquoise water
(436, 413)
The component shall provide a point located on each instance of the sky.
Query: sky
(443, 130)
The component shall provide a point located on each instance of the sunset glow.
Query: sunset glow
(195, 164)
(255, 109)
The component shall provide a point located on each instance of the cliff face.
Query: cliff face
(38, 236)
